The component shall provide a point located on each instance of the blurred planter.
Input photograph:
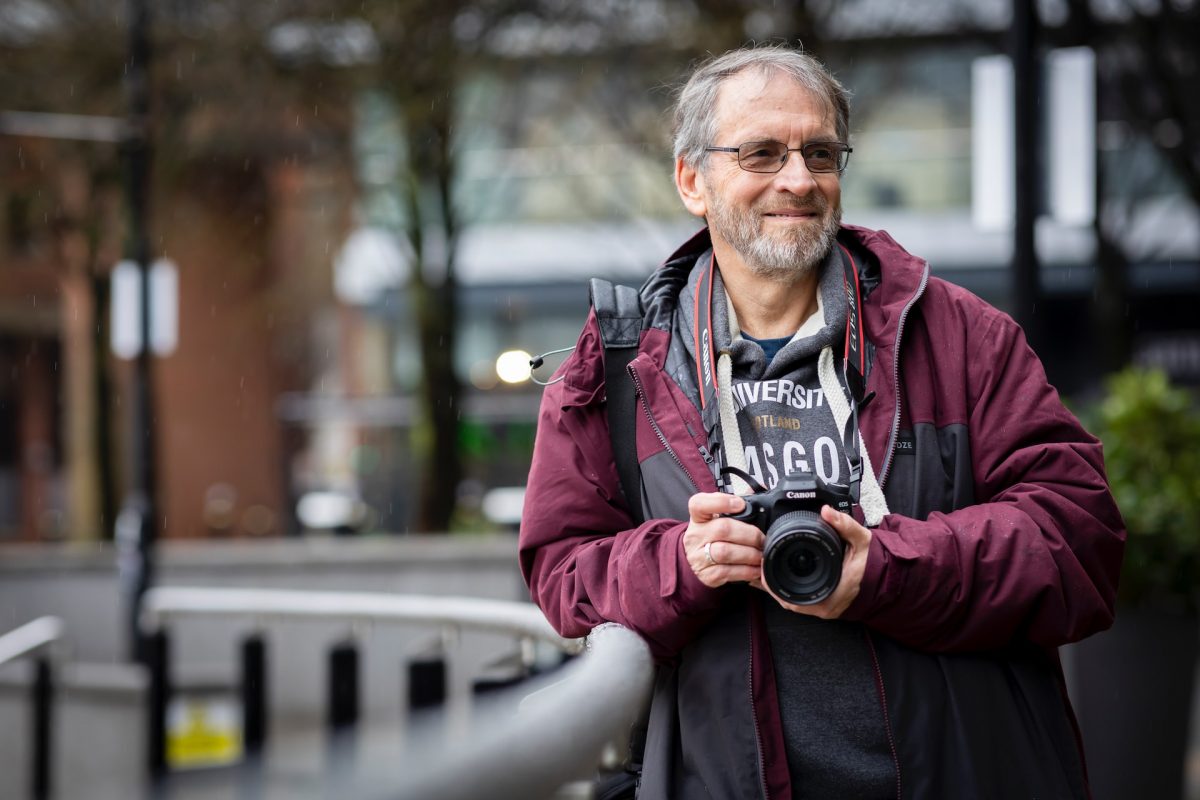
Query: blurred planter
(1135, 683)
(1134, 687)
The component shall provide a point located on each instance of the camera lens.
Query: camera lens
(802, 558)
(801, 562)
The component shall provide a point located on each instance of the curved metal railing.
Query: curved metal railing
(30, 639)
(521, 744)
(556, 737)
(37, 640)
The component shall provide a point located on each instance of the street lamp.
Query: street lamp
(137, 524)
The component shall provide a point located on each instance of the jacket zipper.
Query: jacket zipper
(883, 476)
(641, 394)
(762, 764)
(887, 722)
(891, 448)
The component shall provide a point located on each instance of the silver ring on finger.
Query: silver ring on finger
(712, 562)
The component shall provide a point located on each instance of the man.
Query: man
(990, 536)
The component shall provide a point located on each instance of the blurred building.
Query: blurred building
(297, 362)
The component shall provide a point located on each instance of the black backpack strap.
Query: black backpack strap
(619, 314)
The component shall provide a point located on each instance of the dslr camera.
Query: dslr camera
(802, 556)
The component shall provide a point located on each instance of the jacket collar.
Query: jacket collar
(891, 275)
(889, 288)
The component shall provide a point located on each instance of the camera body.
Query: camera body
(802, 555)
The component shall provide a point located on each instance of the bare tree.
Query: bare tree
(63, 193)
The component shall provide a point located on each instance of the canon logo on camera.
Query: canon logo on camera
(800, 495)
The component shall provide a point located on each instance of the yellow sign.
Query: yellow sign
(203, 732)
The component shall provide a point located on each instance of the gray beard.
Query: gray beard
(786, 257)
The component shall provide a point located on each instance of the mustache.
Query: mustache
(816, 206)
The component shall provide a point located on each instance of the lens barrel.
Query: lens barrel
(802, 558)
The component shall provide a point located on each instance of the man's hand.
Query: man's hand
(854, 564)
(718, 549)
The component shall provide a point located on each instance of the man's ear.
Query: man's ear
(689, 182)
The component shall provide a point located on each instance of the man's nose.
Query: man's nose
(795, 177)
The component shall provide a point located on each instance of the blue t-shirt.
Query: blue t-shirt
(770, 346)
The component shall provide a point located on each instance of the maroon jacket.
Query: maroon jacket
(1003, 544)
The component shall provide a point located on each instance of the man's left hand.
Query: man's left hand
(854, 565)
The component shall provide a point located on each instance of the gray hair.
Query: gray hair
(695, 118)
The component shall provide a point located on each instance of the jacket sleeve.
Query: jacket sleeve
(582, 557)
(1037, 560)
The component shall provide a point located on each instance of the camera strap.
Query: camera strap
(855, 364)
(706, 362)
(853, 452)
(854, 369)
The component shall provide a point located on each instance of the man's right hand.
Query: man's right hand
(721, 550)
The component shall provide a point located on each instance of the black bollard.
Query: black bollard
(426, 683)
(254, 694)
(43, 707)
(158, 652)
(343, 686)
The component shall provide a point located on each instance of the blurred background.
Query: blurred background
(342, 227)
(364, 206)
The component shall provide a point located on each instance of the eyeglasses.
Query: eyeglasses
(771, 156)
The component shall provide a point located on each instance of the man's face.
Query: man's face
(778, 225)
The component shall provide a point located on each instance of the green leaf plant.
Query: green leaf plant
(1151, 435)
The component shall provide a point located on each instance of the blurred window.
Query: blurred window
(910, 127)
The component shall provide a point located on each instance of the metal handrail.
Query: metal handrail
(37, 639)
(556, 737)
(521, 744)
(30, 638)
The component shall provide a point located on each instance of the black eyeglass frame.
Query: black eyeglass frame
(844, 150)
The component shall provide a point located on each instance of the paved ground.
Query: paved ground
(300, 764)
